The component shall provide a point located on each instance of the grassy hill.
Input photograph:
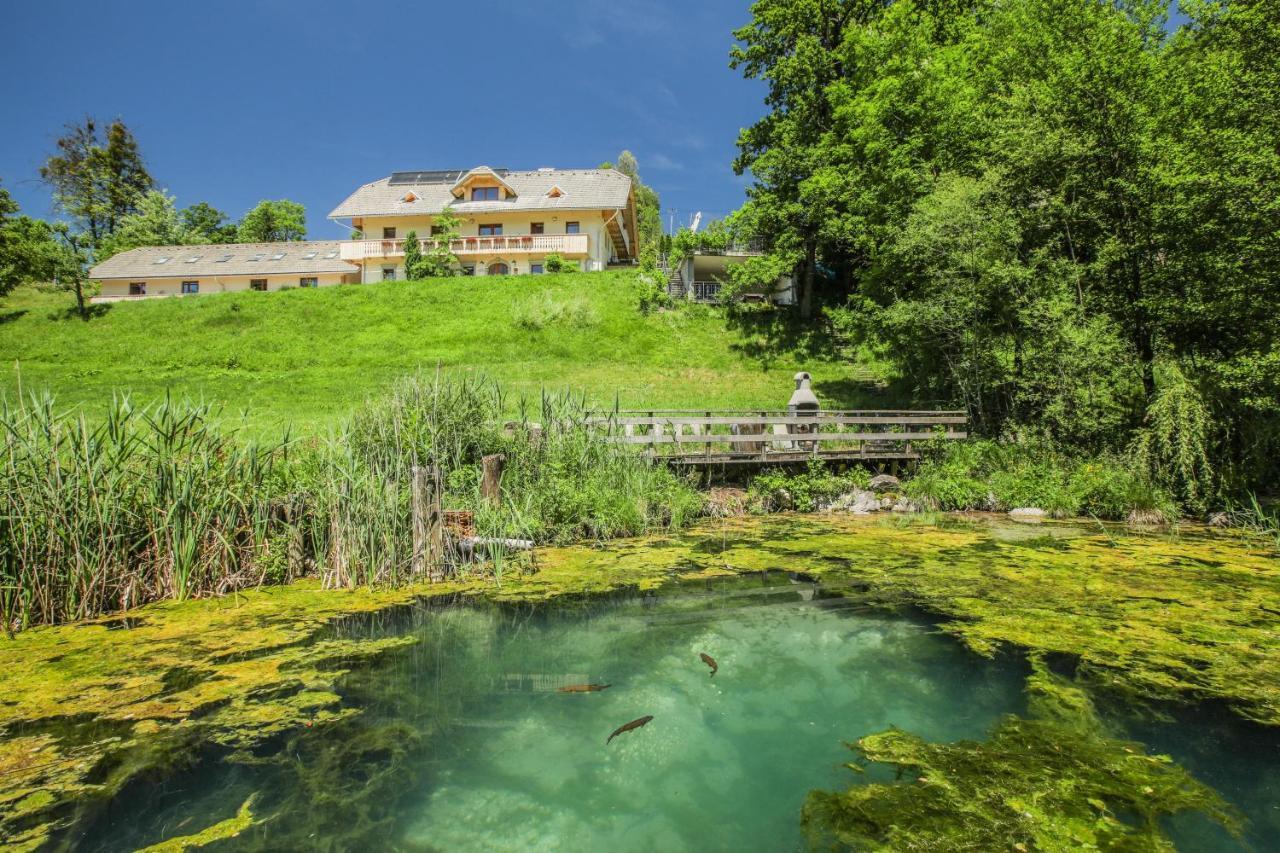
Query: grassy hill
(306, 357)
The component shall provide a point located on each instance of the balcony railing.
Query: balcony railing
(528, 244)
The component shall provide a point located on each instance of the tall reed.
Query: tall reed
(144, 503)
(155, 502)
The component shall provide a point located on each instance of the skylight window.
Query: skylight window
(223, 259)
(277, 256)
(331, 254)
(164, 260)
(256, 257)
(194, 258)
(309, 255)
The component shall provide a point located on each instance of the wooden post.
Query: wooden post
(428, 522)
(419, 502)
(435, 526)
(294, 512)
(491, 482)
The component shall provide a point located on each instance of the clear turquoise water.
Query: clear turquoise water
(463, 743)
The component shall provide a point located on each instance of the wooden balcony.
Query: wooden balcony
(569, 245)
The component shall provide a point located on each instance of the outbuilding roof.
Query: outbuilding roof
(217, 259)
(401, 194)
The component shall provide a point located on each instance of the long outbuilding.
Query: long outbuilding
(154, 271)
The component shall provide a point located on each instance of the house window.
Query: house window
(309, 282)
(498, 268)
(490, 230)
(484, 194)
(536, 269)
(388, 273)
(536, 228)
(469, 269)
(137, 288)
(571, 228)
(257, 284)
(437, 230)
(191, 287)
(388, 233)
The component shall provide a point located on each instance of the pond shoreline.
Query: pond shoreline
(240, 669)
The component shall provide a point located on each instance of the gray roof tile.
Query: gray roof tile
(583, 189)
(301, 258)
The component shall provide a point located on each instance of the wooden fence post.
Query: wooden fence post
(491, 482)
(428, 522)
(418, 502)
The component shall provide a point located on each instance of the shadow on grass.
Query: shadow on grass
(848, 393)
(10, 316)
(91, 312)
(771, 334)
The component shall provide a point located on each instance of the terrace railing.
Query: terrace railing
(531, 244)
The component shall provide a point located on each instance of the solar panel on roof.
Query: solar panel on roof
(437, 176)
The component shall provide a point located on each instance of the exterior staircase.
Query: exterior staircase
(676, 286)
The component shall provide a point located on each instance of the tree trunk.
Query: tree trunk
(80, 306)
(806, 286)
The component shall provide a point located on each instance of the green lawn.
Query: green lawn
(306, 357)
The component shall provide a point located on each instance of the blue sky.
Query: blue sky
(233, 102)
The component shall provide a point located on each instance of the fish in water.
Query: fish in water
(709, 661)
(630, 727)
(583, 688)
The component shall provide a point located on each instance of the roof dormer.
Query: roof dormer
(555, 192)
(482, 176)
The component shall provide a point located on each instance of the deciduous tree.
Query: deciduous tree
(273, 222)
(96, 181)
(155, 223)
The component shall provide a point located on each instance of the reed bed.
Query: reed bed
(144, 503)
(157, 502)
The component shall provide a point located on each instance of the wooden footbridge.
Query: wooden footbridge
(714, 438)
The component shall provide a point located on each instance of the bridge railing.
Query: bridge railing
(761, 436)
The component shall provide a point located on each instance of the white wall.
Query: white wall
(172, 285)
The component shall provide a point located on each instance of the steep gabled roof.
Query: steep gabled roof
(219, 259)
(479, 174)
(581, 189)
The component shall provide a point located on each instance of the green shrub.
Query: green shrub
(996, 476)
(554, 263)
(951, 478)
(777, 489)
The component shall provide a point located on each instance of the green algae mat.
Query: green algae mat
(1060, 686)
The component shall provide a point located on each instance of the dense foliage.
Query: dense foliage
(273, 222)
(157, 502)
(1061, 215)
(97, 180)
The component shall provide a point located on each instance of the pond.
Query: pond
(458, 736)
